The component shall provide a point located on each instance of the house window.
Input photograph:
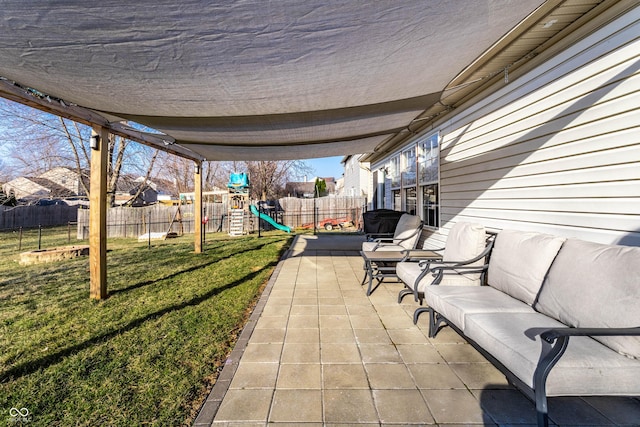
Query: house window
(428, 173)
(394, 172)
(414, 178)
(397, 200)
(410, 200)
(430, 205)
(409, 167)
(428, 156)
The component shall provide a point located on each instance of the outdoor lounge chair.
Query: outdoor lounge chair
(392, 249)
(405, 236)
(380, 222)
(463, 263)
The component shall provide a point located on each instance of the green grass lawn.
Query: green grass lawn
(149, 353)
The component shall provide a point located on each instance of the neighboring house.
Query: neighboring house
(166, 189)
(553, 147)
(69, 179)
(307, 189)
(64, 183)
(340, 186)
(357, 181)
(152, 192)
(128, 186)
(146, 197)
(34, 188)
(59, 183)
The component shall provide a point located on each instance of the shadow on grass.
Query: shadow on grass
(186, 270)
(45, 362)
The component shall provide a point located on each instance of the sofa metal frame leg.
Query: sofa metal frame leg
(418, 312)
(551, 353)
(435, 322)
(403, 293)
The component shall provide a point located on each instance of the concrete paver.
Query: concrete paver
(322, 353)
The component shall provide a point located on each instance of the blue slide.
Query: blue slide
(270, 220)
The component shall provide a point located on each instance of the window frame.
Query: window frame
(409, 166)
(395, 172)
(428, 159)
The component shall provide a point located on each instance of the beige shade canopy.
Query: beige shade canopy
(253, 79)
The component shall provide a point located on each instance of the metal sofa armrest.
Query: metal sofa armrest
(554, 344)
(422, 254)
(417, 230)
(460, 265)
(553, 334)
(426, 263)
(373, 236)
(460, 268)
(383, 240)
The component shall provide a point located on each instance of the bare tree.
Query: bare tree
(213, 176)
(32, 139)
(81, 156)
(268, 178)
(178, 171)
(40, 141)
(217, 173)
(145, 182)
(115, 155)
(4, 176)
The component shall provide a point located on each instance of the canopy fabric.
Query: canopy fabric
(253, 79)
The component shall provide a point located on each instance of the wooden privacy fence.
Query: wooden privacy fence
(133, 222)
(300, 212)
(34, 216)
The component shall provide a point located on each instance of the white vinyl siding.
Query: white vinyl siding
(556, 150)
(356, 180)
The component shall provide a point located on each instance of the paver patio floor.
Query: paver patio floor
(317, 351)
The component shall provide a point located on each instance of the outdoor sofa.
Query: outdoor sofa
(560, 317)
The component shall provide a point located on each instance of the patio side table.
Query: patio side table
(382, 264)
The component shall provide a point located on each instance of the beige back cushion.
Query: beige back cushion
(595, 286)
(520, 261)
(405, 234)
(465, 241)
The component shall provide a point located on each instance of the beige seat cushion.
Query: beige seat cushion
(408, 272)
(587, 367)
(456, 302)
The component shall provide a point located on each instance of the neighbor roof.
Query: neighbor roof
(254, 79)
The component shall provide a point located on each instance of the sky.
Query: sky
(326, 167)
